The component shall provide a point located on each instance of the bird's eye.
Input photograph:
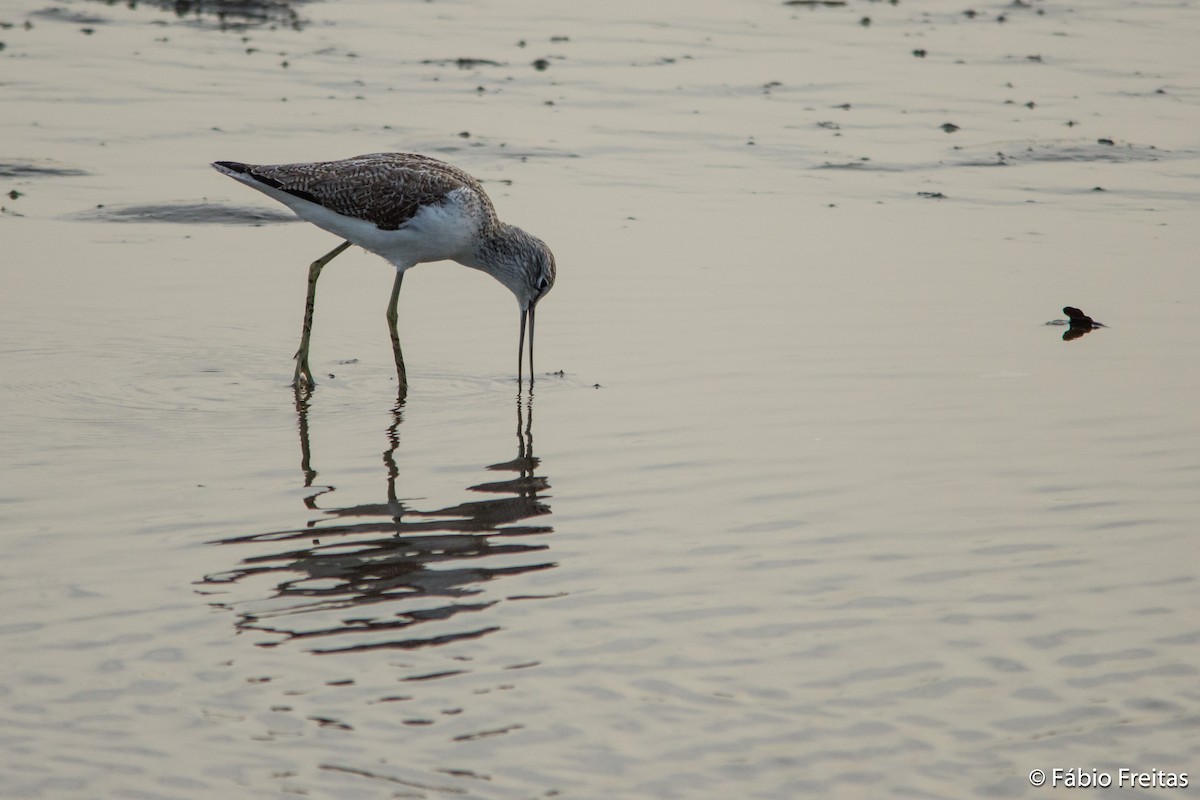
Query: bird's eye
(542, 284)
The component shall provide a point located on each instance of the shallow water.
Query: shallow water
(807, 500)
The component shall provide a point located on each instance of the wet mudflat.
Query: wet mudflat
(807, 499)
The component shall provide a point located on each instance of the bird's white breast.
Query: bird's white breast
(448, 230)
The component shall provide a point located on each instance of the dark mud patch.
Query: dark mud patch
(30, 169)
(1021, 153)
(1080, 152)
(60, 14)
(226, 14)
(462, 63)
(862, 165)
(187, 214)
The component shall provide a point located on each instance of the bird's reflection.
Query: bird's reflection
(1075, 331)
(366, 576)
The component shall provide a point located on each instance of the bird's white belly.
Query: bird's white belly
(437, 232)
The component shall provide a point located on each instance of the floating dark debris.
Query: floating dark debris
(1077, 322)
(1077, 317)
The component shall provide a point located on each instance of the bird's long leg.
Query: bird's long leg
(303, 375)
(392, 316)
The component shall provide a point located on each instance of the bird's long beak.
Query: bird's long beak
(526, 314)
(532, 308)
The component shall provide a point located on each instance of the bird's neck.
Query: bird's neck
(497, 244)
(498, 253)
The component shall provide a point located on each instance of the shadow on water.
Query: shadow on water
(366, 576)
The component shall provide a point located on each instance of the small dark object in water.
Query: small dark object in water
(1077, 322)
(1077, 318)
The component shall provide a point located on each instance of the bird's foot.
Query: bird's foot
(302, 379)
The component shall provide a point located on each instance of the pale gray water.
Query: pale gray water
(818, 507)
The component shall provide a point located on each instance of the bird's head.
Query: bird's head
(525, 265)
(542, 273)
(528, 270)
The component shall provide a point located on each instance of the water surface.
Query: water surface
(806, 501)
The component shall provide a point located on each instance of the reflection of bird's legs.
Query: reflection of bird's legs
(395, 507)
(305, 451)
(310, 473)
(392, 317)
(303, 375)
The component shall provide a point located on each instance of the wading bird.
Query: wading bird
(409, 209)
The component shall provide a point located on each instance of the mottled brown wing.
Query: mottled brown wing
(384, 188)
